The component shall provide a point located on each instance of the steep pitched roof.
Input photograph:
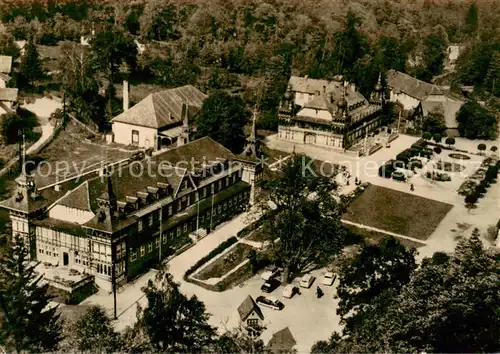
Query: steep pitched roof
(8, 94)
(448, 109)
(324, 87)
(162, 109)
(78, 198)
(5, 64)
(282, 341)
(247, 307)
(401, 82)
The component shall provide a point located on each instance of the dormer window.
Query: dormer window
(139, 225)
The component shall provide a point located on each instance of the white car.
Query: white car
(269, 273)
(290, 290)
(328, 278)
(307, 281)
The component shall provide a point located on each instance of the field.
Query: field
(225, 263)
(397, 212)
(371, 236)
(71, 154)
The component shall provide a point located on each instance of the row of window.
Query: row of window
(177, 231)
(185, 201)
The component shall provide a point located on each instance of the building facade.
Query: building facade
(156, 121)
(409, 91)
(327, 113)
(118, 224)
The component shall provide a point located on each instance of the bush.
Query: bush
(219, 249)
(437, 138)
(437, 150)
(450, 141)
(494, 148)
(427, 136)
(481, 147)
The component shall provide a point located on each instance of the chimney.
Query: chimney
(125, 95)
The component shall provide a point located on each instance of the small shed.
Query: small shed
(250, 313)
(281, 341)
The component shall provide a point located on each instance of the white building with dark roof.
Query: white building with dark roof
(409, 91)
(327, 113)
(156, 121)
(8, 96)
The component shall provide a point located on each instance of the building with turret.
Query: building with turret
(326, 113)
(117, 223)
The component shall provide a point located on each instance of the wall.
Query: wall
(65, 213)
(315, 113)
(310, 136)
(408, 102)
(123, 135)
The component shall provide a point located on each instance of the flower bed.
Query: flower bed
(219, 249)
(450, 166)
(459, 156)
(225, 263)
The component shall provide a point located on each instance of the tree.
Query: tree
(111, 48)
(223, 117)
(158, 20)
(94, 332)
(26, 322)
(434, 123)
(386, 266)
(492, 80)
(239, 341)
(437, 138)
(15, 122)
(306, 218)
(450, 304)
(481, 147)
(30, 69)
(427, 136)
(171, 322)
(476, 122)
(437, 150)
(8, 46)
(471, 200)
(450, 141)
(471, 19)
(494, 148)
(79, 81)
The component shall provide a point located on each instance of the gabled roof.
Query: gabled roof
(448, 109)
(324, 87)
(404, 83)
(5, 64)
(8, 94)
(281, 341)
(78, 198)
(163, 109)
(247, 307)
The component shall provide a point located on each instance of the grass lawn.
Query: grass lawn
(375, 237)
(225, 263)
(70, 150)
(397, 212)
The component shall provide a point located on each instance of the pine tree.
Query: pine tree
(471, 19)
(492, 81)
(30, 70)
(26, 323)
(94, 332)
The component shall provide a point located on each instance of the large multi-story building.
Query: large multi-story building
(130, 218)
(327, 113)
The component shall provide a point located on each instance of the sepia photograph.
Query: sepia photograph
(249, 176)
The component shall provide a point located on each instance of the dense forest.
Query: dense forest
(253, 46)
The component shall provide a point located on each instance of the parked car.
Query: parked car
(290, 290)
(307, 280)
(270, 272)
(270, 285)
(328, 278)
(271, 302)
(398, 176)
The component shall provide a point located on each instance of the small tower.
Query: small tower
(107, 202)
(184, 137)
(25, 205)
(251, 147)
(377, 96)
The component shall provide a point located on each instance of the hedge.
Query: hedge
(219, 249)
